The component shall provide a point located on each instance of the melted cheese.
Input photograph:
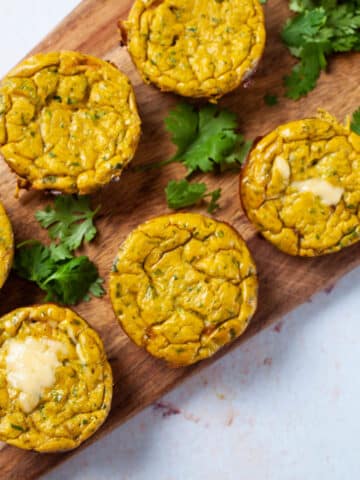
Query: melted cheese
(328, 193)
(282, 166)
(31, 366)
(80, 353)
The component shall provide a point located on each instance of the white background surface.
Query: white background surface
(285, 406)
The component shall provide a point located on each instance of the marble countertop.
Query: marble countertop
(284, 406)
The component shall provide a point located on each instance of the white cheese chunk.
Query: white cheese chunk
(329, 194)
(80, 353)
(282, 166)
(31, 366)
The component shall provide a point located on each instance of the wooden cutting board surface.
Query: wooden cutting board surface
(285, 282)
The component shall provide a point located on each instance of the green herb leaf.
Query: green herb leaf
(304, 26)
(180, 194)
(304, 75)
(33, 261)
(17, 427)
(319, 29)
(96, 288)
(182, 123)
(300, 5)
(213, 205)
(70, 220)
(216, 139)
(355, 122)
(238, 157)
(59, 252)
(270, 99)
(71, 281)
(65, 278)
(205, 138)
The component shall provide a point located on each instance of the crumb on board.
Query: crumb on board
(278, 327)
(166, 409)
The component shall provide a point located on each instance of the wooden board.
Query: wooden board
(285, 282)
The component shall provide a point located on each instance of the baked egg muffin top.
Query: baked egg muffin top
(182, 286)
(68, 122)
(55, 380)
(196, 48)
(301, 186)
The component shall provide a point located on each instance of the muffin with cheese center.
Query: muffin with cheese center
(301, 186)
(55, 380)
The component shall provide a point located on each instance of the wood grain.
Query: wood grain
(285, 282)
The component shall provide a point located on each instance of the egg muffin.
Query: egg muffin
(68, 122)
(6, 245)
(182, 286)
(195, 48)
(55, 380)
(301, 186)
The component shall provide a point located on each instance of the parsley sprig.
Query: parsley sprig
(64, 277)
(319, 29)
(70, 220)
(271, 99)
(180, 194)
(207, 140)
(355, 122)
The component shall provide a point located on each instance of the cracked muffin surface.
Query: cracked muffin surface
(182, 286)
(55, 380)
(196, 48)
(68, 122)
(6, 245)
(300, 186)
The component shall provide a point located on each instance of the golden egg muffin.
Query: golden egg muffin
(6, 245)
(300, 186)
(195, 48)
(182, 286)
(55, 380)
(68, 122)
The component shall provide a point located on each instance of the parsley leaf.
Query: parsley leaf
(345, 22)
(182, 123)
(180, 194)
(300, 5)
(59, 252)
(65, 278)
(320, 28)
(303, 26)
(96, 288)
(355, 122)
(238, 156)
(207, 140)
(304, 76)
(205, 137)
(70, 220)
(270, 99)
(216, 139)
(213, 205)
(33, 261)
(71, 281)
